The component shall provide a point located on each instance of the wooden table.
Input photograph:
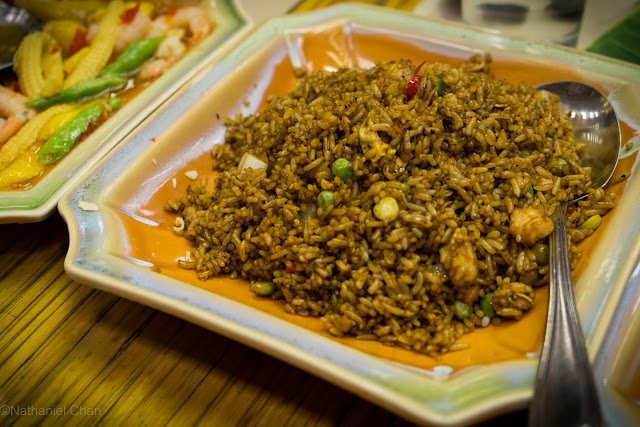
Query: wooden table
(70, 354)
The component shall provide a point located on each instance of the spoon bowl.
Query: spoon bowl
(594, 123)
(565, 393)
(15, 24)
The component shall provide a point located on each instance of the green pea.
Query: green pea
(342, 169)
(525, 152)
(486, 305)
(263, 289)
(114, 103)
(529, 278)
(325, 199)
(556, 166)
(462, 310)
(541, 252)
(440, 84)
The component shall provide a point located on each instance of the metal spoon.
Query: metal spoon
(565, 392)
(15, 24)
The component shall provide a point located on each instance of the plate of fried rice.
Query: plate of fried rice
(367, 195)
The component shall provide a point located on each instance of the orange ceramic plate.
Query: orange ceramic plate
(118, 247)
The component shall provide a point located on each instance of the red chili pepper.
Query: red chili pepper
(290, 269)
(79, 40)
(55, 50)
(570, 211)
(153, 139)
(420, 66)
(16, 86)
(411, 86)
(128, 15)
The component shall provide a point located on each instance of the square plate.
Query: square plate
(37, 202)
(115, 247)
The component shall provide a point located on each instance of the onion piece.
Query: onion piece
(251, 161)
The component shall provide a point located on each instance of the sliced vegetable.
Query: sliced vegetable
(342, 169)
(101, 46)
(132, 59)
(386, 209)
(263, 289)
(462, 310)
(541, 252)
(250, 161)
(57, 122)
(64, 31)
(24, 168)
(592, 223)
(72, 62)
(530, 190)
(325, 199)
(27, 135)
(486, 305)
(81, 92)
(60, 144)
(412, 85)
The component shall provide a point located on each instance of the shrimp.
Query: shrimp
(13, 110)
(129, 32)
(168, 53)
(529, 225)
(194, 18)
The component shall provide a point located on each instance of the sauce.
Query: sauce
(161, 248)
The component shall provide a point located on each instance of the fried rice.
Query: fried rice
(475, 171)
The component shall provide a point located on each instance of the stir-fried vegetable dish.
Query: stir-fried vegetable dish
(89, 58)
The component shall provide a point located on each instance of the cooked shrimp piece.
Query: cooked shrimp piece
(194, 18)
(529, 225)
(155, 68)
(459, 259)
(168, 53)
(129, 32)
(13, 110)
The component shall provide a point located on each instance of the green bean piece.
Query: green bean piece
(342, 169)
(80, 92)
(530, 190)
(132, 59)
(60, 143)
(556, 167)
(263, 289)
(541, 252)
(325, 199)
(462, 310)
(114, 103)
(486, 305)
(440, 84)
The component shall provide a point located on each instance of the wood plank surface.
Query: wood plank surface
(73, 355)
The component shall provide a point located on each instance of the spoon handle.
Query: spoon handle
(565, 393)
